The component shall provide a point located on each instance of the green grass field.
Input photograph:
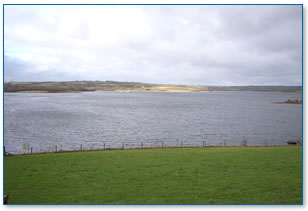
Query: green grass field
(213, 175)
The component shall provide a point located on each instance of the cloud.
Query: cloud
(195, 44)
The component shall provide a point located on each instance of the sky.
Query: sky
(171, 44)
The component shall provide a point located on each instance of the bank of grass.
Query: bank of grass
(216, 175)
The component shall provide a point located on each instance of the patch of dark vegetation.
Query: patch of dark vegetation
(289, 102)
(293, 101)
(40, 87)
(293, 142)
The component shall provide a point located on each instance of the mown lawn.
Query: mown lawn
(214, 175)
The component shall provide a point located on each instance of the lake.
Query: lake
(98, 120)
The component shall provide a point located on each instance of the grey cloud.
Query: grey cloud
(17, 70)
(214, 45)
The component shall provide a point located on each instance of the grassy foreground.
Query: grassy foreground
(216, 175)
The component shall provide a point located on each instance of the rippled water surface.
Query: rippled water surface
(109, 119)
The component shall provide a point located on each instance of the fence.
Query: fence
(27, 149)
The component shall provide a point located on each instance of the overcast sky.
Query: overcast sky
(200, 44)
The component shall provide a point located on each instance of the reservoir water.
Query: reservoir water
(112, 119)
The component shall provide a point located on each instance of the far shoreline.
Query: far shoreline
(146, 91)
(90, 86)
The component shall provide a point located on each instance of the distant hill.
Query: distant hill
(257, 88)
(84, 86)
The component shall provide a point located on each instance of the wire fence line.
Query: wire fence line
(28, 149)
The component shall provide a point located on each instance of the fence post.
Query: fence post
(56, 149)
(244, 141)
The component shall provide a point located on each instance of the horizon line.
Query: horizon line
(141, 83)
